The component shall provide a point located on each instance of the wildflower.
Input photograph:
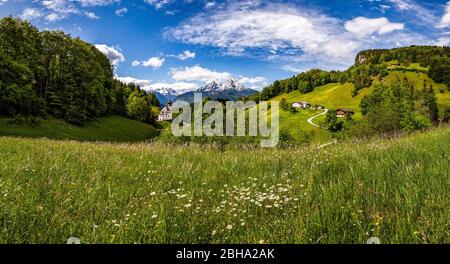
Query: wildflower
(187, 205)
(154, 216)
(229, 227)
(213, 232)
(152, 193)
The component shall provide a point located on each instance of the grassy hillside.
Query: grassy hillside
(394, 189)
(113, 128)
(297, 126)
(335, 95)
(417, 80)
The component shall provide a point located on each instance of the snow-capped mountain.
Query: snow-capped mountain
(215, 87)
(228, 90)
(166, 94)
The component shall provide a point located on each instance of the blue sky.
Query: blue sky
(183, 44)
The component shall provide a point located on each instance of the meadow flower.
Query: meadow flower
(154, 216)
(229, 227)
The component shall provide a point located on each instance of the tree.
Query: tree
(430, 101)
(16, 89)
(439, 70)
(138, 108)
(446, 115)
(284, 105)
(50, 72)
(332, 122)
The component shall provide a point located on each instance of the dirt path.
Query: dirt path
(310, 120)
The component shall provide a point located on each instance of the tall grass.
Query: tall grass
(395, 189)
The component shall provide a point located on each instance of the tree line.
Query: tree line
(404, 55)
(46, 73)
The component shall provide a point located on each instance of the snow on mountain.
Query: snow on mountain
(228, 90)
(215, 87)
(168, 91)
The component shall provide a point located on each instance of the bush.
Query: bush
(21, 120)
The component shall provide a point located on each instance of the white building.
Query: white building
(302, 105)
(166, 113)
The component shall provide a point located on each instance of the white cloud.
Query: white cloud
(60, 9)
(415, 9)
(91, 15)
(292, 68)
(184, 55)
(97, 2)
(290, 34)
(148, 85)
(210, 4)
(363, 26)
(445, 20)
(3, 2)
(128, 79)
(31, 13)
(154, 62)
(257, 79)
(54, 17)
(198, 73)
(158, 4)
(403, 5)
(444, 41)
(121, 11)
(256, 83)
(385, 7)
(113, 53)
(238, 30)
(56, 10)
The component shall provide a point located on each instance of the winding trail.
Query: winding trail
(310, 120)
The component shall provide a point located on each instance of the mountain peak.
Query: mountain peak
(229, 89)
(215, 86)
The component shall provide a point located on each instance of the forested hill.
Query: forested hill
(401, 89)
(50, 73)
(405, 55)
(369, 65)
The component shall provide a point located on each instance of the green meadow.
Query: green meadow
(396, 189)
(112, 128)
